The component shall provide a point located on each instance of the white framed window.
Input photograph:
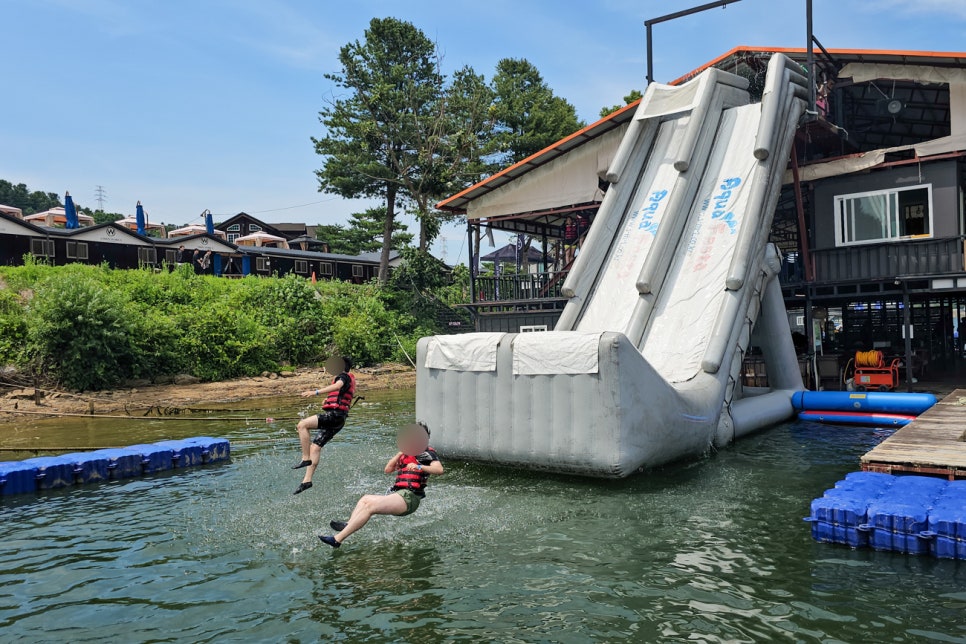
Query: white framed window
(532, 328)
(76, 250)
(254, 228)
(147, 255)
(358, 270)
(234, 228)
(325, 268)
(232, 237)
(894, 214)
(42, 247)
(263, 264)
(301, 266)
(171, 256)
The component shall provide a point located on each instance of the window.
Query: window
(358, 271)
(76, 250)
(232, 237)
(530, 328)
(171, 256)
(254, 228)
(234, 228)
(42, 247)
(325, 268)
(147, 255)
(883, 215)
(263, 264)
(301, 266)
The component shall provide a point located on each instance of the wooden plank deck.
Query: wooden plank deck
(934, 443)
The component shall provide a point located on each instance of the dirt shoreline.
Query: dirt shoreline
(162, 399)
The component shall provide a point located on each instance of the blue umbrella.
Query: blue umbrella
(71, 212)
(139, 217)
(209, 223)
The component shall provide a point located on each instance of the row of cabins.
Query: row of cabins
(116, 245)
(870, 222)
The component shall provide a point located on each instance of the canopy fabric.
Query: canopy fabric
(569, 179)
(465, 352)
(864, 72)
(132, 223)
(59, 216)
(10, 210)
(260, 239)
(195, 229)
(508, 254)
(556, 352)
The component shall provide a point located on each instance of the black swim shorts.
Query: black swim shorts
(330, 422)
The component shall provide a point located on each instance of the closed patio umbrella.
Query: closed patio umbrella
(139, 218)
(70, 212)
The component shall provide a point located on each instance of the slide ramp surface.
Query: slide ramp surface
(643, 366)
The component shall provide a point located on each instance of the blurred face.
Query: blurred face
(335, 365)
(412, 440)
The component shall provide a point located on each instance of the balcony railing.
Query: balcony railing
(880, 261)
(527, 287)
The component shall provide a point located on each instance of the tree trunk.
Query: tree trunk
(387, 233)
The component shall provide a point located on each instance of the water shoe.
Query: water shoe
(301, 464)
(302, 487)
(338, 526)
(329, 540)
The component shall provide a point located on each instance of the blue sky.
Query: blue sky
(188, 105)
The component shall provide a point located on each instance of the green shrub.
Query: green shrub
(79, 330)
(222, 342)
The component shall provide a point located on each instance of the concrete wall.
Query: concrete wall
(943, 175)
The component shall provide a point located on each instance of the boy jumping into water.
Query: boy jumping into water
(413, 464)
(335, 409)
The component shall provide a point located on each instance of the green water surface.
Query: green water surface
(709, 551)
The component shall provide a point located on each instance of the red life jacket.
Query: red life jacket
(414, 480)
(341, 399)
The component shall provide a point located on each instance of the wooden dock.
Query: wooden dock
(934, 443)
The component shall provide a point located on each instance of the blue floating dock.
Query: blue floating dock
(52, 472)
(908, 514)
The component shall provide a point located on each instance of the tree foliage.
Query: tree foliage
(528, 115)
(363, 233)
(634, 95)
(19, 196)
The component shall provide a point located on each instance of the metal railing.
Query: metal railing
(517, 288)
(881, 261)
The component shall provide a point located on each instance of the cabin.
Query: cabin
(870, 221)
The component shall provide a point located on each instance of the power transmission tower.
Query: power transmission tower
(100, 196)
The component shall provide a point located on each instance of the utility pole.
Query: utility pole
(100, 196)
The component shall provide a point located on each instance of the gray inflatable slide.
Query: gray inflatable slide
(675, 281)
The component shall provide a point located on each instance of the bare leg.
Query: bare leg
(315, 452)
(369, 505)
(305, 427)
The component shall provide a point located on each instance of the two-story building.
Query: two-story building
(870, 221)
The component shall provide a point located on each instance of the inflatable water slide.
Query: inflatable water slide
(675, 281)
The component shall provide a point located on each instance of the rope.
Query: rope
(404, 349)
(79, 415)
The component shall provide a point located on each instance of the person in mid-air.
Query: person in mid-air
(335, 409)
(413, 464)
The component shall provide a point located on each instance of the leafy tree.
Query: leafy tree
(363, 233)
(527, 114)
(635, 95)
(101, 217)
(29, 202)
(377, 137)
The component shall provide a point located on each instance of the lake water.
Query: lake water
(714, 550)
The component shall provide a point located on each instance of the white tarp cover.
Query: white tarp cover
(666, 100)
(615, 295)
(873, 158)
(864, 72)
(571, 178)
(553, 352)
(466, 352)
(690, 302)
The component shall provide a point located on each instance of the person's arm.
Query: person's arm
(393, 463)
(433, 468)
(324, 391)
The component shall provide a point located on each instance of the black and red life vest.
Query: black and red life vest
(341, 399)
(414, 480)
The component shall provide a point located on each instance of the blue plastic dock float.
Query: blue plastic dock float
(908, 514)
(50, 472)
